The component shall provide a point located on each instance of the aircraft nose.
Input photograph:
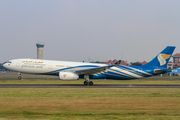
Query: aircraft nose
(5, 65)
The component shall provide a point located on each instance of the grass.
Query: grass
(90, 103)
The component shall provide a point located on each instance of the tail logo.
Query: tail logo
(162, 58)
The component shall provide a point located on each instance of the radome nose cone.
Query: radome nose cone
(4, 65)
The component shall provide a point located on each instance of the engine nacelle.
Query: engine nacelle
(68, 76)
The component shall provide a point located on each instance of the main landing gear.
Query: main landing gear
(20, 77)
(87, 82)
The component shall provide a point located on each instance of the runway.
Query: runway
(93, 86)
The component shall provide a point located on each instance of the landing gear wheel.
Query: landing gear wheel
(85, 83)
(90, 83)
(20, 78)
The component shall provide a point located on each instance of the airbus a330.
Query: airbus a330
(67, 70)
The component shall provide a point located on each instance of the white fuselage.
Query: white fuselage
(37, 66)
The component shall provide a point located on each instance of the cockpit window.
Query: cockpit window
(9, 62)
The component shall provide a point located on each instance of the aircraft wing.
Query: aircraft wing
(94, 70)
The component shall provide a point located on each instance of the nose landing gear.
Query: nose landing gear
(20, 77)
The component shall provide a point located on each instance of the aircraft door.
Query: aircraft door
(18, 64)
(50, 65)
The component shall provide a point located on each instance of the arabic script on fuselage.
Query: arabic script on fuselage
(35, 62)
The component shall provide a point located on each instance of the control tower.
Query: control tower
(39, 50)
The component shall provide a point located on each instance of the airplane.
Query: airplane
(175, 71)
(67, 70)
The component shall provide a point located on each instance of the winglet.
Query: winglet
(117, 63)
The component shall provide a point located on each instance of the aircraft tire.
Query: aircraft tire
(90, 83)
(19, 78)
(85, 83)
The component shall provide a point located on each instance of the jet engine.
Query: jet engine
(68, 76)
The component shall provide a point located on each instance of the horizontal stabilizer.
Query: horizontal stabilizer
(157, 71)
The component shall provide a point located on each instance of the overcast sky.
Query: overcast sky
(76, 30)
